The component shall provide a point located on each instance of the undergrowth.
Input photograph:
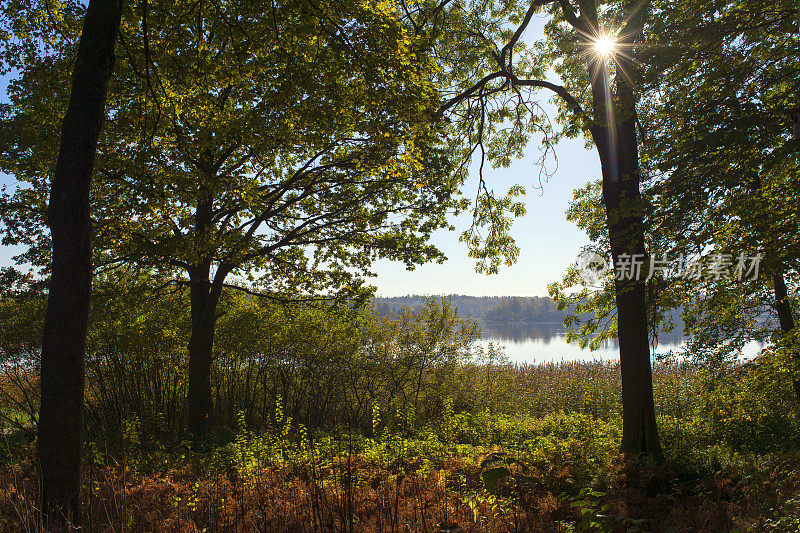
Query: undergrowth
(485, 473)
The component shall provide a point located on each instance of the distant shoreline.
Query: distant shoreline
(522, 322)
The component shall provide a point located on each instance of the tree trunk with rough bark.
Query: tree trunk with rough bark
(205, 291)
(617, 144)
(785, 318)
(64, 340)
(204, 299)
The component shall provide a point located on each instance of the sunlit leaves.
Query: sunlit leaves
(285, 138)
(723, 168)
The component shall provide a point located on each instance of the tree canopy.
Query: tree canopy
(285, 139)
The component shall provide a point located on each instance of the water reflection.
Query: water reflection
(548, 342)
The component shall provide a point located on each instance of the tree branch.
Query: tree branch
(569, 15)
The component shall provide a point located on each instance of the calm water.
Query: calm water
(530, 343)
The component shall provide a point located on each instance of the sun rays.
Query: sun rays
(609, 48)
(605, 45)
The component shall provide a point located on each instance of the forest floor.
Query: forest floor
(485, 473)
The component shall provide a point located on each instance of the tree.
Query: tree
(68, 217)
(721, 177)
(274, 148)
(589, 301)
(723, 162)
(593, 48)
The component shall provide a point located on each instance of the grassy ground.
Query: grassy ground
(550, 464)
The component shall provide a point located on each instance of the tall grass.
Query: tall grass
(328, 420)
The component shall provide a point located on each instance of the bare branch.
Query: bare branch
(509, 47)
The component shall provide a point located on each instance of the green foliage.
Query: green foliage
(271, 361)
(288, 145)
(261, 137)
(751, 407)
(135, 355)
(719, 170)
(721, 159)
(493, 440)
(591, 308)
(595, 515)
(21, 320)
(422, 353)
(489, 238)
(789, 517)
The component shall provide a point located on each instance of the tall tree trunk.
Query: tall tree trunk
(617, 146)
(204, 299)
(782, 302)
(785, 318)
(64, 340)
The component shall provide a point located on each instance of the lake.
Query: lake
(541, 343)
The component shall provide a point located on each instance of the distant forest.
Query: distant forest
(535, 309)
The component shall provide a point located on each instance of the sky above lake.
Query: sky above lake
(547, 242)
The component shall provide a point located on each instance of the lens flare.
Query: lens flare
(604, 45)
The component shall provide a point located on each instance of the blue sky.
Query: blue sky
(548, 243)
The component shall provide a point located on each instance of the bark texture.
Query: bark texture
(620, 167)
(614, 133)
(64, 341)
(204, 299)
(205, 291)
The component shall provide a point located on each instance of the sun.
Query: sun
(605, 45)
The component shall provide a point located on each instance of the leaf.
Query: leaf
(491, 476)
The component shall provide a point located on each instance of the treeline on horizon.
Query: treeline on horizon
(533, 309)
(516, 309)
